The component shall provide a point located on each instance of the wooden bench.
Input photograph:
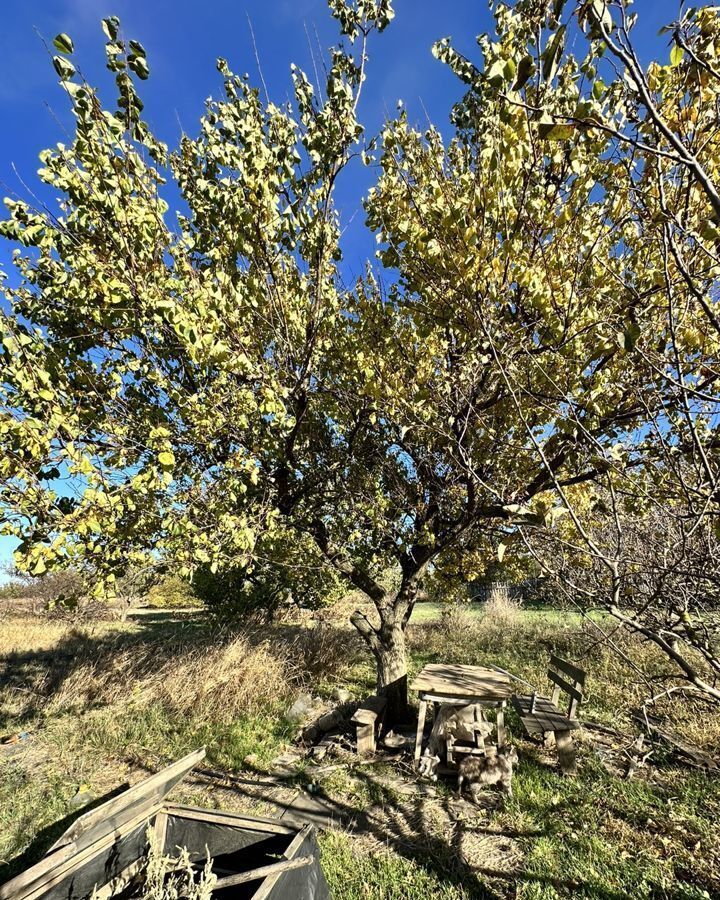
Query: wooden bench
(541, 715)
(367, 719)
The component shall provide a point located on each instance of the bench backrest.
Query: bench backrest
(568, 679)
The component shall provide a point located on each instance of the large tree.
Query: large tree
(207, 384)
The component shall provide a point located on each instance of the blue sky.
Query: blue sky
(183, 38)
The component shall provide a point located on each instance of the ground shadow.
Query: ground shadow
(47, 836)
(33, 677)
(403, 827)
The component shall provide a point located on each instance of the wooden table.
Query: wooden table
(461, 686)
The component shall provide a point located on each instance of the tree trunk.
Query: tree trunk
(391, 660)
(387, 644)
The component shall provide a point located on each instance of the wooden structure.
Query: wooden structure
(103, 851)
(541, 715)
(457, 685)
(367, 719)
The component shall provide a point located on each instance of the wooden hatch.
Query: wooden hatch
(103, 851)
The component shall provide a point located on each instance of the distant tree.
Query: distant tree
(207, 386)
(287, 571)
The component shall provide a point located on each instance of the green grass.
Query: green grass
(382, 874)
(602, 837)
(431, 612)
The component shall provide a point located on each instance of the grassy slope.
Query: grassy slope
(97, 701)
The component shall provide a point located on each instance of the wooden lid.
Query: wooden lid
(112, 817)
(116, 811)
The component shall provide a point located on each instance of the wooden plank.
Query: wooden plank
(466, 700)
(369, 711)
(154, 788)
(277, 868)
(234, 820)
(562, 665)
(543, 706)
(41, 885)
(566, 686)
(463, 681)
(536, 724)
(420, 729)
(500, 726)
(161, 823)
(293, 849)
(22, 882)
(365, 739)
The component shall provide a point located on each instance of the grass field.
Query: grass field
(105, 703)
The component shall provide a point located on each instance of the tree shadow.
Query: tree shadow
(406, 829)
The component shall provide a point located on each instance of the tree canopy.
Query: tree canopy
(541, 316)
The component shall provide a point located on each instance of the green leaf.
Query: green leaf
(631, 335)
(676, 56)
(63, 43)
(166, 459)
(111, 27)
(552, 52)
(556, 131)
(525, 71)
(63, 67)
(496, 72)
(139, 67)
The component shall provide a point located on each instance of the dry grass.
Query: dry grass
(620, 677)
(107, 698)
(33, 633)
(323, 650)
(501, 610)
(456, 625)
(213, 682)
(53, 668)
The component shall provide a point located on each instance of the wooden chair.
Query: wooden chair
(541, 715)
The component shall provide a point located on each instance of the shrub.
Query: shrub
(288, 571)
(324, 650)
(172, 593)
(455, 622)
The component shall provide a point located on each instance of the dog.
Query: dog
(494, 768)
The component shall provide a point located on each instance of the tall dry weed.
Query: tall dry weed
(501, 610)
(324, 650)
(215, 682)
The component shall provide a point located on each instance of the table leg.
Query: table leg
(420, 729)
(501, 725)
